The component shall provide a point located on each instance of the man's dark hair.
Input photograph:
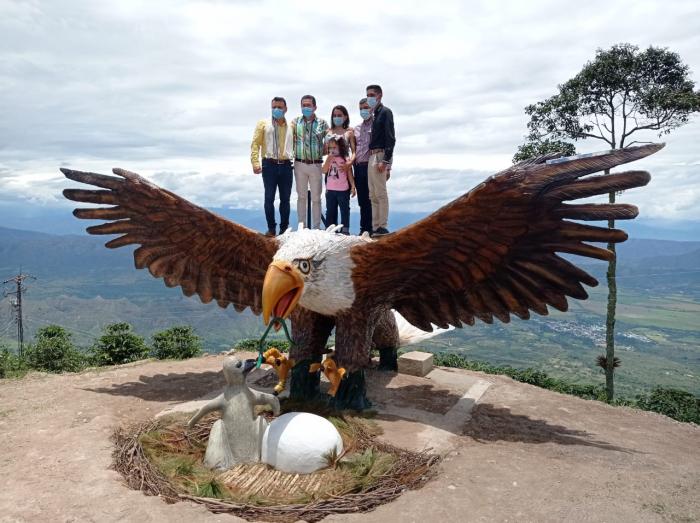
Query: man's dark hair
(343, 110)
(363, 101)
(374, 87)
(279, 99)
(309, 97)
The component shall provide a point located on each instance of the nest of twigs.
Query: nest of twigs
(163, 458)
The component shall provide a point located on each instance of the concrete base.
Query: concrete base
(416, 363)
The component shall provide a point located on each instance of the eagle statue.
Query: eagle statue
(488, 254)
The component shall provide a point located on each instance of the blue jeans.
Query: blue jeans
(360, 172)
(277, 176)
(335, 200)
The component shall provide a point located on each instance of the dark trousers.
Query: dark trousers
(338, 200)
(277, 177)
(360, 172)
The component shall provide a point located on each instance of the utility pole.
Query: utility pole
(17, 306)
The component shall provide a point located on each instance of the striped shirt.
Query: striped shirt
(308, 138)
(363, 133)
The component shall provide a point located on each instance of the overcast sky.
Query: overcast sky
(173, 90)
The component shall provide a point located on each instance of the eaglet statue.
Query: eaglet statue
(237, 436)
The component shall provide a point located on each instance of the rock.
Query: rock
(416, 363)
(297, 442)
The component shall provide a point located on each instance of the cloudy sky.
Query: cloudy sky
(173, 89)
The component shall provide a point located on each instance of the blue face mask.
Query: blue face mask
(338, 120)
(277, 113)
(372, 101)
(365, 113)
(307, 111)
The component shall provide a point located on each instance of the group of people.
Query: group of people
(357, 163)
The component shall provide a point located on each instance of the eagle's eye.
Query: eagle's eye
(304, 266)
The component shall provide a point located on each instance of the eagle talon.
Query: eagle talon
(282, 366)
(331, 370)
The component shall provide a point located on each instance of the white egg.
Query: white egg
(297, 442)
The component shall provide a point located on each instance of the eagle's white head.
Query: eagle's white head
(312, 268)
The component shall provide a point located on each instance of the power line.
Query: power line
(18, 280)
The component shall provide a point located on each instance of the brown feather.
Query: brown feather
(178, 241)
(491, 252)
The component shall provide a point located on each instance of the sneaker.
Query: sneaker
(270, 233)
(381, 231)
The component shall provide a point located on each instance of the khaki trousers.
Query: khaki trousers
(377, 192)
(308, 177)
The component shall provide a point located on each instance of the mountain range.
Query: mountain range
(84, 286)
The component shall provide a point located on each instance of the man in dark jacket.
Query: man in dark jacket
(381, 155)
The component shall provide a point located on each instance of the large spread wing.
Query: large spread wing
(492, 252)
(178, 241)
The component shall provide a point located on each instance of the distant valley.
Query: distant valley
(84, 286)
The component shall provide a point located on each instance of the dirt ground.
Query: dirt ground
(527, 454)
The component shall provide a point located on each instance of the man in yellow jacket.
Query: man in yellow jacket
(273, 140)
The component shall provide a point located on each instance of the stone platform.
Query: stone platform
(416, 413)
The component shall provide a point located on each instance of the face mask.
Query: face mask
(372, 101)
(334, 151)
(365, 113)
(307, 111)
(277, 113)
(338, 120)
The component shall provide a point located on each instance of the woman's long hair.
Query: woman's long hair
(343, 110)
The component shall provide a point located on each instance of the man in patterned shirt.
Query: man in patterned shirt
(363, 134)
(309, 132)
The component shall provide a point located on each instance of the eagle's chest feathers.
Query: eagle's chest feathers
(328, 287)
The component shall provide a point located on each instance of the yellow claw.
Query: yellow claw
(282, 366)
(331, 371)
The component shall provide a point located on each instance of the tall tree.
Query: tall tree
(615, 98)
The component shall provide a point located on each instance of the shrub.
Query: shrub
(251, 345)
(54, 351)
(11, 365)
(674, 403)
(179, 342)
(119, 344)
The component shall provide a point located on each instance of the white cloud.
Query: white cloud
(173, 89)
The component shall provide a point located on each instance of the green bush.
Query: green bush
(11, 365)
(54, 351)
(251, 345)
(180, 342)
(119, 344)
(677, 404)
(674, 403)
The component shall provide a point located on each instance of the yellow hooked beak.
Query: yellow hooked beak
(281, 290)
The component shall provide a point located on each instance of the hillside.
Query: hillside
(84, 286)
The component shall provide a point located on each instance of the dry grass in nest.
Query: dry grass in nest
(164, 458)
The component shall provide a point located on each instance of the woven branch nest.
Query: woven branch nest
(407, 470)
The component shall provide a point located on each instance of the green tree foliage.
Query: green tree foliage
(11, 365)
(677, 404)
(119, 344)
(251, 345)
(534, 148)
(621, 93)
(53, 351)
(178, 342)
